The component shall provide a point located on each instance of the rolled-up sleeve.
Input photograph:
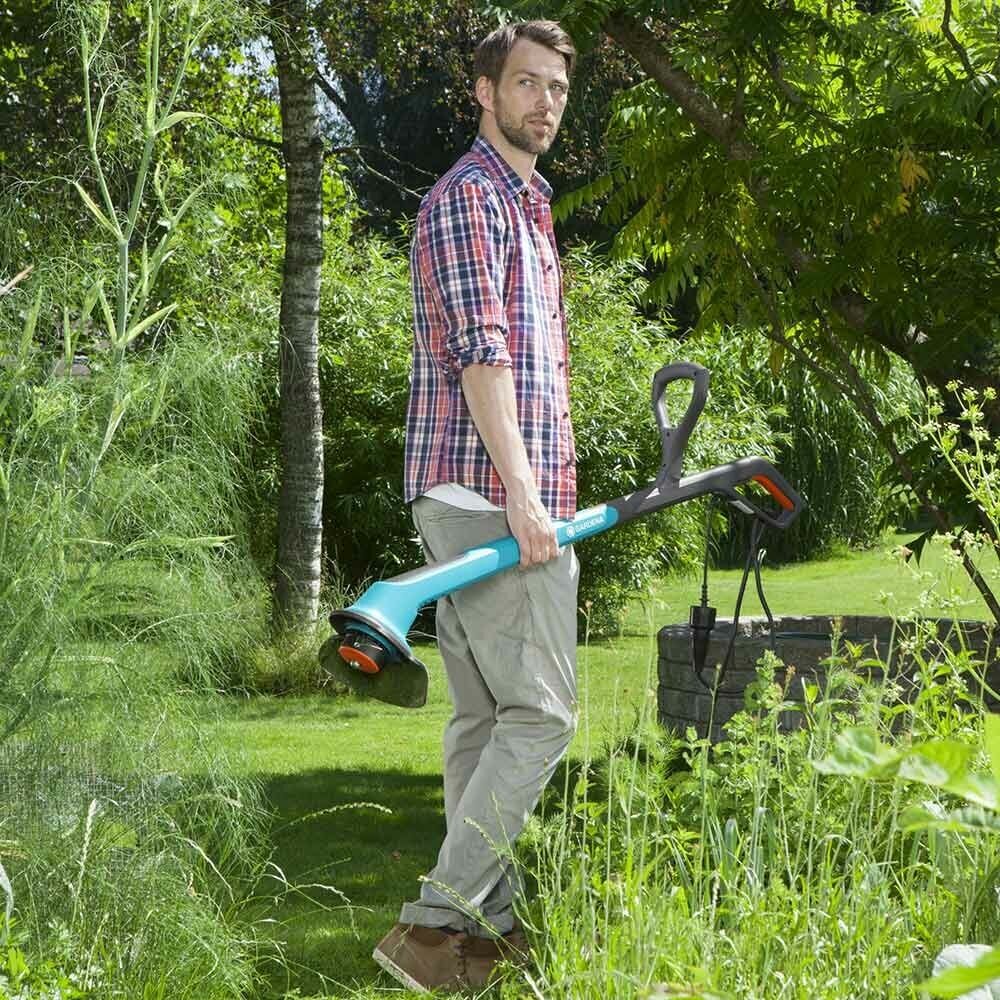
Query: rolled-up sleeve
(465, 264)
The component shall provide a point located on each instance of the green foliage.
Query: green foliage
(827, 450)
(948, 765)
(365, 344)
(288, 663)
(936, 759)
(966, 444)
(735, 869)
(127, 449)
(47, 979)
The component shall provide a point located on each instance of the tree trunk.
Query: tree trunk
(300, 522)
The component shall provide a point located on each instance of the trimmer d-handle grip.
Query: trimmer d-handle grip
(779, 495)
(788, 502)
(674, 439)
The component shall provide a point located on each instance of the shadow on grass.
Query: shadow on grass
(373, 858)
(264, 709)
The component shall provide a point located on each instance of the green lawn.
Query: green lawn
(317, 753)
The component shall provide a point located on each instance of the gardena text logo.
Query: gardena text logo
(573, 530)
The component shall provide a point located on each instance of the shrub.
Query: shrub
(366, 337)
(826, 448)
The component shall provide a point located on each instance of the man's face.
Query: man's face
(530, 98)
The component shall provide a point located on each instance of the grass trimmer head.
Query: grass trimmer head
(370, 654)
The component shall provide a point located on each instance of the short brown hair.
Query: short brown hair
(492, 51)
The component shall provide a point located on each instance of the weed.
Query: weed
(669, 866)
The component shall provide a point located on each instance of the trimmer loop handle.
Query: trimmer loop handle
(674, 439)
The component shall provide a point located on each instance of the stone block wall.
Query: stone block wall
(801, 642)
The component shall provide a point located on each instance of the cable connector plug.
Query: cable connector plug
(701, 620)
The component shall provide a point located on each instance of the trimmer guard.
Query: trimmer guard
(372, 632)
(401, 682)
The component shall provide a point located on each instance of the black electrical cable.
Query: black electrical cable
(763, 600)
(753, 561)
(708, 535)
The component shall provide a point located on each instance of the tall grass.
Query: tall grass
(125, 453)
(129, 850)
(666, 867)
(170, 502)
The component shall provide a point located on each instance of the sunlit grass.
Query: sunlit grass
(316, 752)
(877, 581)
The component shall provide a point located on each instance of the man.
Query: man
(489, 451)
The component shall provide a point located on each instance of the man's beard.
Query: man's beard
(521, 136)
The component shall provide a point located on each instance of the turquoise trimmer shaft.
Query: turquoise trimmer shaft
(370, 652)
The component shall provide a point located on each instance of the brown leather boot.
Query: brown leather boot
(424, 958)
(518, 941)
(484, 955)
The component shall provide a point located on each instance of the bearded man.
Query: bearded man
(489, 451)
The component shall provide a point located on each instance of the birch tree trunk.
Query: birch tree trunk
(300, 522)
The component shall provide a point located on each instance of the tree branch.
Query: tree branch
(257, 140)
(336, 150)
(356, 150)
(954, 42)
(9, 286)
(331, 91)
(791, 93)
(773, 66)
(648, 50)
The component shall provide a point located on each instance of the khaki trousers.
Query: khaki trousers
(509, 650)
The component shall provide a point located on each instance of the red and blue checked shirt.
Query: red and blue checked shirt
(487, 290)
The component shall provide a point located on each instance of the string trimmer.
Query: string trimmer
(369, 652)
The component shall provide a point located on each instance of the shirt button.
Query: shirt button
(555, 315)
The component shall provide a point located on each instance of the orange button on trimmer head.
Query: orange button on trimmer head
(361, 661)
(363, 653)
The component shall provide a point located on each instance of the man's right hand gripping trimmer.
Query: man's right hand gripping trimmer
(369, 652)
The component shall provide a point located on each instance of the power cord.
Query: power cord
(702, 617)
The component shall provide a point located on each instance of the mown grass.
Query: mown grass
(317, 755)
(873, 582)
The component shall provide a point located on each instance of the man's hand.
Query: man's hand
(533, 530)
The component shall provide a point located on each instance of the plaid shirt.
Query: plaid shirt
(487, 290)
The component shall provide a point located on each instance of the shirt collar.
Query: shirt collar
(506, 177)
